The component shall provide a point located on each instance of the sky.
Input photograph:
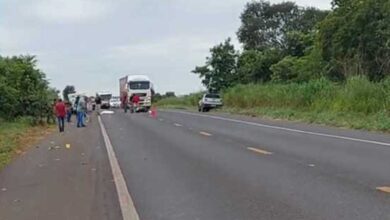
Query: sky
(92, 43)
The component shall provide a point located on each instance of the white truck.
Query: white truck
(140, 85)
(105, 98)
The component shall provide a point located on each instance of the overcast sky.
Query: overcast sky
(92, 43)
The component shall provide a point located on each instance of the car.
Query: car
(115, 102)
(209, 101)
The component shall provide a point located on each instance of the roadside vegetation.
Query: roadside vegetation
(25, 104)
(329, 67)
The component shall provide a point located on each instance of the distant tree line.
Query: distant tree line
(157, 96)
(24, 90)
(286, 43)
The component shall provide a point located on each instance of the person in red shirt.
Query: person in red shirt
(60, 109)
(134, 102)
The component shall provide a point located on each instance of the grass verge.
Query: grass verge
(17, 135)
(357, 103)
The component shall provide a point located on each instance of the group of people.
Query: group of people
(134, 102)
(64, 110)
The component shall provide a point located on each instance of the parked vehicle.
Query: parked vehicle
(105, 98)
(209, 101)
(115, 102)
(136, 84)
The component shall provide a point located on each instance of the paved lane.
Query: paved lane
(183, 166)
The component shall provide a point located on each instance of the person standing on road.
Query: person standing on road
(98, 102)
(125, 101)
(60, 113)
(80, 111)
(68, 111)
(134, 102)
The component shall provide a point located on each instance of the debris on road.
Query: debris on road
(3, 189)
(57, 147)
(84, 163)
(57, 159)
(107, 112)
(67, 146)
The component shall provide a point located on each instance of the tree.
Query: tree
(265, 25)
(219, 72)
(24, 89)
(69, 89)
(170, 94)
(254, 66)
(354, 39)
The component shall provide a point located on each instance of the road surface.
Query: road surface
(184, 165)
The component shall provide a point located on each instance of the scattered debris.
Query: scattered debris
(107, 112)
(41, 165)
(93, 169)
(311, 165)
(3, 189)
(84, 163)
(82, 154)
(57, 147)
(37, 146)
(50, 148)
(67, 146)
(17, 200)
(57, 159)
(51, 142)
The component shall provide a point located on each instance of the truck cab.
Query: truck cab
(139, 85)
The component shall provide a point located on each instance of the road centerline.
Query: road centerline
(205, 134)
(385, 189)
(260, 151)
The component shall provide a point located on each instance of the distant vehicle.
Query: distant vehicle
(115, 102)
(136, 84)
(105, 98)
(209, 101)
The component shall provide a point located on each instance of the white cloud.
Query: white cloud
(68, 11)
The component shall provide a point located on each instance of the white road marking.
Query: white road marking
(178, 125)
(287, 129)
(126, 203)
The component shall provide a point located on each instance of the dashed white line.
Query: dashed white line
(287, 129)
(126, 203)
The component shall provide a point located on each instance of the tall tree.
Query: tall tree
(265, 25)
(69, 89)
(219, 72)
(354, 38)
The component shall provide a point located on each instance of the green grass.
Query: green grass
(15, 134)
(357, 103)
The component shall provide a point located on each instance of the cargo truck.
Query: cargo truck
(139, 85)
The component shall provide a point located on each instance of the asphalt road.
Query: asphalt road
(184, 165)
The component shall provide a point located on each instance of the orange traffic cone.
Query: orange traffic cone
(153, 112)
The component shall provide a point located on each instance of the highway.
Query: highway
(214, 166)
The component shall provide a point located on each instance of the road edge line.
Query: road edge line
(125, 201)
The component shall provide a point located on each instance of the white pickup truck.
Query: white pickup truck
(209, 101)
